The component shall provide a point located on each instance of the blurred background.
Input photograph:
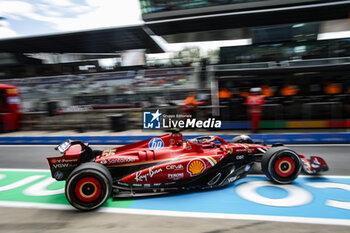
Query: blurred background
(94, 65)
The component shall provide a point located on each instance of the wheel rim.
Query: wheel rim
(284, 166)
(88, 189)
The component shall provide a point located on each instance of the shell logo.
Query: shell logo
(195, 167)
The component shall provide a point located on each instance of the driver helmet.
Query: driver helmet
(242, 139)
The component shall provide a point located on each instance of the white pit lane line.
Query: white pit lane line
(325, 221)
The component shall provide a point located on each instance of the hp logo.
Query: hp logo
(156, 144)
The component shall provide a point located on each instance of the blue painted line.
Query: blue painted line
(236, 125)
(266, 138)
(228, 201)
(303, 138)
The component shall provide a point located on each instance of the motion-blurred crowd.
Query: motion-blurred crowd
(187, 90)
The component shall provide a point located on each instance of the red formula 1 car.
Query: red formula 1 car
(168, 163)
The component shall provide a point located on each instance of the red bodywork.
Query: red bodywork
(169, 158)
(9, 108)
(167, 164)
(174, 161)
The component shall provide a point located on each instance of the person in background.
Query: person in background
(289, 90)
(332, 88)
(191, 99)
(190, 106)
(267, 91)
(244, 93)
(225, 93)
(254, 102)
(226, 109)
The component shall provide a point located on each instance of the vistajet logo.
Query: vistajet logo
(152, 120)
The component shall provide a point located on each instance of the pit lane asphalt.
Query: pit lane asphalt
(40, 220)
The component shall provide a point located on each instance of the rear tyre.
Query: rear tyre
(281, 165)
(88, 186)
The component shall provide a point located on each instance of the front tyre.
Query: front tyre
(281, 165)
(88, 186)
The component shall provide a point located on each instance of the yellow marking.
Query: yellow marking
(307, 124)
(212, 159)
(87, 196)
(11, 91)
(290, 167)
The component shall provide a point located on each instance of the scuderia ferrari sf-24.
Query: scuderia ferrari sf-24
(167, 164)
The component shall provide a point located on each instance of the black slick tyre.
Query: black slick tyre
(88, 186)
(281, 165)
